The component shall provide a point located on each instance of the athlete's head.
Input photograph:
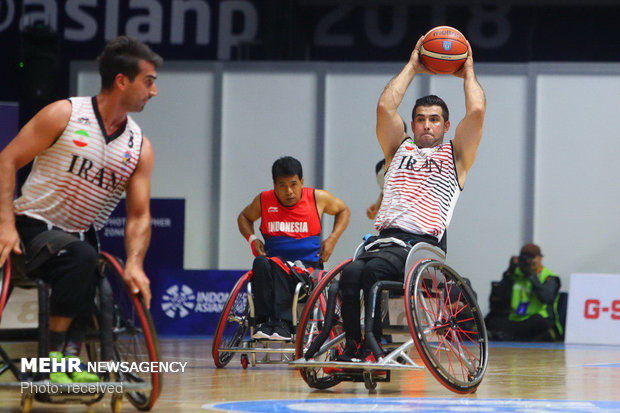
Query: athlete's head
(430, 121)
(288, 180)
(129, 65)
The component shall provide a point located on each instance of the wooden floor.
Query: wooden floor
(524, 377)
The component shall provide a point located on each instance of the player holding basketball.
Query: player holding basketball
(290, 217)
(423, 181)
(88, 152)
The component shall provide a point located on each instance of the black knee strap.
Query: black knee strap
(45, 246)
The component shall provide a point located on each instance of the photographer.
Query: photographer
(524, 302)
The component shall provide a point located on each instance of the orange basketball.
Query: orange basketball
(444, 50)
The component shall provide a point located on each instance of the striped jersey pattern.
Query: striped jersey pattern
(421, 189)
(79, 180)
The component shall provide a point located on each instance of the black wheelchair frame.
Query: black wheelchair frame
(121, 328)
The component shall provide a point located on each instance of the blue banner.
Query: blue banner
(9, 118)
(167, 234)
(189, 302)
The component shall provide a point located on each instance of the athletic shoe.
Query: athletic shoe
(351, 352)
(59, 377)
(263, 332)
(281, 331)
(83, 376)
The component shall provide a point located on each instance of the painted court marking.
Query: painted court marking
(403, 404)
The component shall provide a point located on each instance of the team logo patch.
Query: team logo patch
(447, 45)
(79, 141)
(272, 209)
(126, 158)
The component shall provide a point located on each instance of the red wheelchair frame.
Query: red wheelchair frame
(235, 328)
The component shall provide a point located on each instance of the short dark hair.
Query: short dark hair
(286, 166)
(432, 100)
(122, 55)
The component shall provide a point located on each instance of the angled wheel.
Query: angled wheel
(312, 330)
(369, 381)
(233, 323)
(5, 281)
(446, 325)
(26, 403)
(134, 336)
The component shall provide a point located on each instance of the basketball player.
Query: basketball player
(290, 217)
(424, 178)
(87, 152)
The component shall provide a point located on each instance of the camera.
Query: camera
(526, 264)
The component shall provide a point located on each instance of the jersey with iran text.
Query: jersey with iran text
(421, 189)
(291, 233)
(77, 182)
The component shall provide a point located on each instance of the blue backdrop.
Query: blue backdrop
(189, 302)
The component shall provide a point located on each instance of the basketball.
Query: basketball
(444, 50)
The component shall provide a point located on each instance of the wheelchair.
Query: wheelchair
(444, 323)
(121, 330)
(236, 324)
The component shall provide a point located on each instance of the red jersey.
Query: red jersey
(291, 233)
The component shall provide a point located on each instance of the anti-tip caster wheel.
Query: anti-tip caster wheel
(244, 361)
(116, 403)
(369, 381)
(26, 403)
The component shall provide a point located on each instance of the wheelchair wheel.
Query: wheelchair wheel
(134, 335)
(446, 325)
(5, 281)
(312, 324)
(233, 323)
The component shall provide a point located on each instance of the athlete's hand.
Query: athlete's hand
(258, 248)
(415, 60)
(327, 247)
(137, 282)
(9, 242)
(468, 66)
(371, 211)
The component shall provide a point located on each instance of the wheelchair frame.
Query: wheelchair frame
(250, 348)
(113, 323)
(313, 357)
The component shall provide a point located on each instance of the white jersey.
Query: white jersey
(79, 180)
(421, 189)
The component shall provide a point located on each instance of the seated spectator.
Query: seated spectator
(524, 303)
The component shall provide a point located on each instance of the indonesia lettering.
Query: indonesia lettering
(279, 226)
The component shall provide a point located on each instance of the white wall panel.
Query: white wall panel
(265, 115)
(577, 197)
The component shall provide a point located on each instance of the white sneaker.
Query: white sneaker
(263, 332)
(281, 331)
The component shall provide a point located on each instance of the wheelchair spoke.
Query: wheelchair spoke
(451, 336)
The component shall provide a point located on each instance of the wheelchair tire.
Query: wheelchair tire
(233, 324)
(311, 325)
(134, 335)
(5, 282)
(450, 337)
